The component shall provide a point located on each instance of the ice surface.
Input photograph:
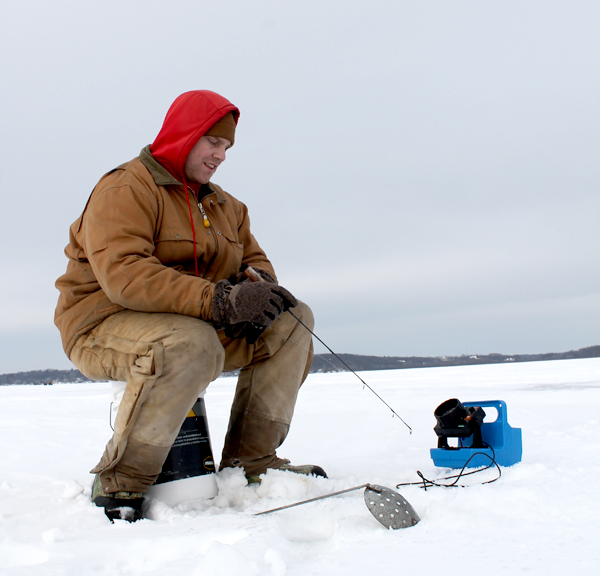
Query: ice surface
(541, 517)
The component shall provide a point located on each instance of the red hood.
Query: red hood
(188, 119)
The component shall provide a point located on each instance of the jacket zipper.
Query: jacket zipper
(205, 221)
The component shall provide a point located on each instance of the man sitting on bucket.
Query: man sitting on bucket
(154, 295)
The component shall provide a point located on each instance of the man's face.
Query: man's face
(204, 159)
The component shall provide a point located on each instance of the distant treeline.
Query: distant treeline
(43, 377)
(329, 363)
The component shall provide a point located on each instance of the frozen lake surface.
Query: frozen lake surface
(541, 517)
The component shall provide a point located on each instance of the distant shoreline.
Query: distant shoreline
(328, 363)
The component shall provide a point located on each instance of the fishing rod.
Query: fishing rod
(255, 277)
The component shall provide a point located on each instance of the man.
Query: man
(154, 295)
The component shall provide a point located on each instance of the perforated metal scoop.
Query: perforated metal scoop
(387, 506)
(390, 508)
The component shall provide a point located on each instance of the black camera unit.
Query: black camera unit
(456, 421)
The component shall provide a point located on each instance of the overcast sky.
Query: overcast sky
(424, 174)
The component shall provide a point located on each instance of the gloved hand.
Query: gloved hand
(247, 309)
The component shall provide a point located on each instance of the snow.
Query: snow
(541, 517)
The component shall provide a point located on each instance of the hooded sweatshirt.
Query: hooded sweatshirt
(188, 119)
(133, 247)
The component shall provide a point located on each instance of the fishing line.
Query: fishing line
(394, 413)
(250, 273)
(337, 368)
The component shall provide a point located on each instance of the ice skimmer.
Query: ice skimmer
(387, 506)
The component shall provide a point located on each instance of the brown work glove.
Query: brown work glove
(247, 309)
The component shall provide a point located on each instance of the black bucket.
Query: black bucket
(189, 470)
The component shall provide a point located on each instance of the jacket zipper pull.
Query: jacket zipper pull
(206, 222)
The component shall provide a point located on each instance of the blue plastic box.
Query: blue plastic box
(506, 442)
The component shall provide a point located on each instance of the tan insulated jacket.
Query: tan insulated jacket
(132, 248)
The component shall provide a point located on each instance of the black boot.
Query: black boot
(118, 505)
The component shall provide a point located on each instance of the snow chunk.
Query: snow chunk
(233, 489)
(273, 558)
(306, 526)
(15, 555)
(72, 490)
(53, 535)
